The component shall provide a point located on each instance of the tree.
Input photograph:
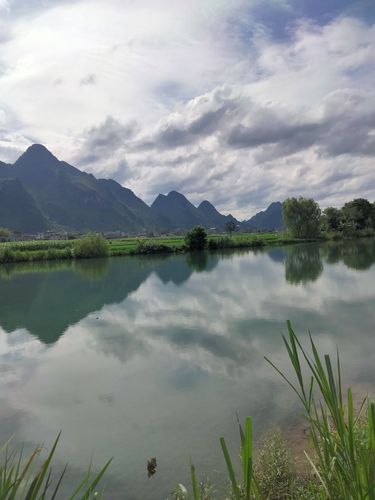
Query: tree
(358, 212)
(302, 217)
(5, 234)
(230, 227)
(196, 238)
(331, 219)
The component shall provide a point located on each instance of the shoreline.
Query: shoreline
(58, 250)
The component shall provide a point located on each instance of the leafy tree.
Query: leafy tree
(91, 245)
(5, 234)
(331, 219)
(196, 238)
(230, 227)
(358, 213)
(302, 217)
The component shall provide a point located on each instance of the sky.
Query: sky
(239, 102)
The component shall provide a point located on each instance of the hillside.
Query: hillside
(215, 218)
(271, 218)
(182, 214)
(47, 193)
(72, 199)
(18, 209)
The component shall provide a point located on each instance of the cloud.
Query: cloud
(277, 105)
(102, 141)
(88, 80)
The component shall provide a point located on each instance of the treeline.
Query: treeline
(303, 218)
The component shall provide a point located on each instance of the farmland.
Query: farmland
(39, 250)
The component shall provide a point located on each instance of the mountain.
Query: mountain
(72, 199)
(182, 214)
(177, 210)
(18, 209)
(40, 192)
(215, 218)
(271, 218)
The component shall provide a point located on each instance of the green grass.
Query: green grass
(32, 477)
(39, 250)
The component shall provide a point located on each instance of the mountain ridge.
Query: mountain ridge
(270, 218)
(66, 198)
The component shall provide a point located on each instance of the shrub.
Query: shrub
(90, 246)
(273, 470)
(5, 234)
(196, 238)
(147, 248)
(6, 255)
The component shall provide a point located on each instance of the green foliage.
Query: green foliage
(344, 458)
(196, 238)
(358, 213)
(5, 234)
(302, 217)
(91, 246)
(331, 219)
(273, 469)
(31, 478)
(149, 247)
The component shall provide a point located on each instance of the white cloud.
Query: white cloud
(223, 111)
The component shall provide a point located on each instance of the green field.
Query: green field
(39, 250)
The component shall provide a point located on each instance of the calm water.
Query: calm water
(142, 357)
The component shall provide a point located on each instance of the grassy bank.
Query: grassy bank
(39, 250)
(47, 250)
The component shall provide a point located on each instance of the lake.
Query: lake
(140, 357)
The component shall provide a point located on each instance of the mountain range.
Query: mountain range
(39, 192)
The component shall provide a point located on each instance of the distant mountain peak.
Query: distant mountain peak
(206, 203)
(37, 153)
(271, 218)
(176, 195)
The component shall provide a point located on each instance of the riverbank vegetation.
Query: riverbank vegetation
(303, 218)
(92, 246)
(339, 456)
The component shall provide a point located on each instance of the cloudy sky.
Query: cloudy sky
(242, 102)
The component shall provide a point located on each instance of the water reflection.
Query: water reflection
(46, 298)
(157, 354)
(356, 254)
(303, 263)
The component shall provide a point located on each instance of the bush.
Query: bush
(149, 248)
(6, 255)
(90, 246)
(5, 234)
(196, 238)
(273, 470)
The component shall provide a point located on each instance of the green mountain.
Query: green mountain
(178, 210)
(40, 192)
(182, 214)
(215, 218)
(18, 209)
(271, 218)
(75, 200)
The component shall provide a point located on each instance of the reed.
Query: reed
(343, 440)
(31, 478)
